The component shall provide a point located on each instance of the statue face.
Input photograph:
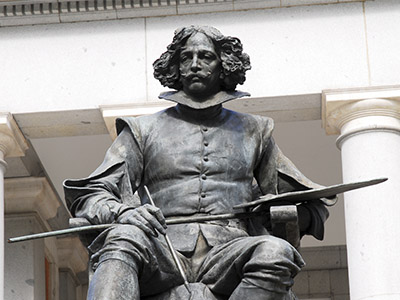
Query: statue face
(200, 67)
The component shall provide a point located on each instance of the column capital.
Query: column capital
(12, 141)
(352, 111)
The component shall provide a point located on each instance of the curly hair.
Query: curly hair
(234, 61)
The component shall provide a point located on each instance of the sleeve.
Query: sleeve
(276, 174)
(317, 211)
(109, 190)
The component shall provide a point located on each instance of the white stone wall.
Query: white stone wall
(298, 50)
(295, 50)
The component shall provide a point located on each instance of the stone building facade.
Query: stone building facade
(325, 70)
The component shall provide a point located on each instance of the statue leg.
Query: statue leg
(129, 264)
(248, 291)
(261, 267)
(114, 279)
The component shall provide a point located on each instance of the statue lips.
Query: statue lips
(195, 78)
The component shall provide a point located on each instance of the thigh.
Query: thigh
(149, 256)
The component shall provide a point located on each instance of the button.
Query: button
(206, 144)
(204, 177)
(205, 158)
(203, 195)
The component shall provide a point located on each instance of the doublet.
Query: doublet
(194, 162)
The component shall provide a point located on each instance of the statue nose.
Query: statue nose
(195, 64)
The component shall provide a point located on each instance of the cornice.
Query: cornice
(31, 12)
(32, 195)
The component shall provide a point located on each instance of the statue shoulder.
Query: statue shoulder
(143, 123)
(252, 121)
(265, 122)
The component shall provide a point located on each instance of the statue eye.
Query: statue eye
(209, 55)
(184, 57)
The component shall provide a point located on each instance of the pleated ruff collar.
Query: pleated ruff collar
(181, 97)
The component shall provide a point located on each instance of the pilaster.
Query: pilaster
(33, 199)
(24, 262)
(72, 263)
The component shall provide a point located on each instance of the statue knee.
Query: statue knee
(273, 265)
(125, 243)
(271, 251)
(127, 231)
(274, 247)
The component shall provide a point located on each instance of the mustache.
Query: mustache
(191, 75)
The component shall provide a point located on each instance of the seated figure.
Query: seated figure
(196, 159)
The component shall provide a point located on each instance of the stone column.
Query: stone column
(12, 144)
(3, 167)
(368, 124)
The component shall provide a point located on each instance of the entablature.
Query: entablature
(33, 12)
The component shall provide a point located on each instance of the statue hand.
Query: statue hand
(147, 217)
(304, 216)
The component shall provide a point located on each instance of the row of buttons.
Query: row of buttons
(205, 158)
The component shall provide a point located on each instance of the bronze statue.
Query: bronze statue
(196, 159)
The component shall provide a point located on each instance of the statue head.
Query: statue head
(202, 61)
